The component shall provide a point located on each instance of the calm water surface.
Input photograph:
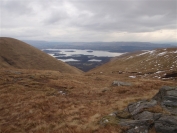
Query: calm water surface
(75, 52)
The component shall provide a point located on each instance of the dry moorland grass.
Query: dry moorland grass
(143, 62)
(17, 54)
(51, 102)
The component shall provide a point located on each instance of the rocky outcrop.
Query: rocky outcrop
(167, 98)
(166, 124)
(139, 106)
(159, 113)
(120, 83)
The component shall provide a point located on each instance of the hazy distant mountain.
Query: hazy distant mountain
(108, 46)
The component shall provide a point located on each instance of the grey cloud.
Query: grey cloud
(130, 16)
(88, 18)
(55, 17)
(13, 7)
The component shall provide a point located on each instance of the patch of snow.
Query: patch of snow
(161, 54)
(152, 51)
(132, 76)
(175, 52)
(61, 92)
(129, 57)
(142, 53)
(159, 71)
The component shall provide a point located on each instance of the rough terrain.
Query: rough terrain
(49, 101)
(42, 95)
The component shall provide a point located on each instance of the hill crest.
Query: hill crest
(17, 54)
(157, 63)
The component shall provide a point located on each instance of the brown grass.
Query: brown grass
(50, 101)
(145, 63)
(17, 54)
(67, 101)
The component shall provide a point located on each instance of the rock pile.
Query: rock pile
(159, 113)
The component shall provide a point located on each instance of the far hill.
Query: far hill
(105, 46)
(17, 54)
(159, 63)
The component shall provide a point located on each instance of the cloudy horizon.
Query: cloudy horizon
(89, 20)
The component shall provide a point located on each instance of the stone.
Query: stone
(137, 126)
(167, 97)
(140, 129)
(134, 123)
(120, 83)
(165, 91)
(135, 108)
(166, 124)
(141, 116)
(147, 115)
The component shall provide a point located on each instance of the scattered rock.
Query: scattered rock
(139, 117)
(120, 83)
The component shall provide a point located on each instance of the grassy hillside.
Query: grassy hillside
(17, 54)
(57, 101)
(53, 102)
(156, 63)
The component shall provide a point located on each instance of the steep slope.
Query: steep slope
(17, 54)
(159, 62)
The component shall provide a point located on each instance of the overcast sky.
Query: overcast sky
(89, 20)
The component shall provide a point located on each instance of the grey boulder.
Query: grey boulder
(167, 97)
(135, 108)
(166, 124)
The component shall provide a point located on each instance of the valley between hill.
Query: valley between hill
(45, 99)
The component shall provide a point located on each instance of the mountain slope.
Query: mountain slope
(17, 54)
(159, 61)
